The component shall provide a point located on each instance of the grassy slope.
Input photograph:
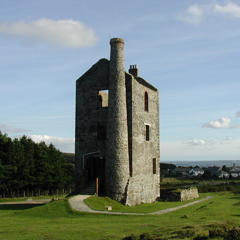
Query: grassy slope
(99, 203)
(57, 221)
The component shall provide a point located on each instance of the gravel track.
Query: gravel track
(77, 203)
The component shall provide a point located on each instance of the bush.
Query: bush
(201, 237)
(146, 236)
(216, 233)
(232, 234)
(132, 237)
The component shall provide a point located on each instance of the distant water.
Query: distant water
(218, 163)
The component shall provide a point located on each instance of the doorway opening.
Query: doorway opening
(96, 172)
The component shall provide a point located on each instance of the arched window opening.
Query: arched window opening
(146, 101)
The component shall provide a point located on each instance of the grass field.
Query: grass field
(57, 220)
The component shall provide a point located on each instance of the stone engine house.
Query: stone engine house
(117, 131)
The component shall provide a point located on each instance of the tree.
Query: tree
(28, 166)
(224, 168)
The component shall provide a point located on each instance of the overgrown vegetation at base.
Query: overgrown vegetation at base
(29, 167)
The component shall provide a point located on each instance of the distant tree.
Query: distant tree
(207, 174)
(167, 166)
(69, 174)
(224, 168)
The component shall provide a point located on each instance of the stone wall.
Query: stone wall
(144, 183)
(183, 194)
(89, 114)
(117, 154)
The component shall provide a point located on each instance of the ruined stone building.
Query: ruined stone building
(117, 131)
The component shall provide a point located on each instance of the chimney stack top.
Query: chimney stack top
(133, 70)
(116, 40)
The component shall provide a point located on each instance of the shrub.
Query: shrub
(201, 237)
(132, 237)
(146, 236)
(184, 234)
(232, 234)
(216, 233)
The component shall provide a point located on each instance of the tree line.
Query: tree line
(32, 167)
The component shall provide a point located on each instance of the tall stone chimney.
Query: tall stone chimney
(117, 158)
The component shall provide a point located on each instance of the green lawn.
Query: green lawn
(57, 220)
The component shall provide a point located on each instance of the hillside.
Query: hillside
(70, 157)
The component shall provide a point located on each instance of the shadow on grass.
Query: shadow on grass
(18, 206)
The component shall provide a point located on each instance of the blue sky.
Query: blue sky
(189, 50)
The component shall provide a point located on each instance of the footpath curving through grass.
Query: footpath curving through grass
(57, 220)
(99, 203)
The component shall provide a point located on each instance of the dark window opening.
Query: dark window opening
(147, 133)
(146, 101)
(101, 131)
(154, 166)
(100, 100)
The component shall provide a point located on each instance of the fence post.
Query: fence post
(97, 186)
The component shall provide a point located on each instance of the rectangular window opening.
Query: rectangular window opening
(101, 131)
(103, 98)
(154, 166)
(147, 133)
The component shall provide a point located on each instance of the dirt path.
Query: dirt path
(183, 206)
(77, 203)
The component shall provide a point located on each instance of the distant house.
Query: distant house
(235, 172)
(218, 172)
(194, 172)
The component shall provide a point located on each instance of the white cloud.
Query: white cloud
(238, 113)
(63, 144)
(67, 32)
(231, 9)
(194, 15)
(209, 151)
(195, 142)
(206, 143)
(8, 129)
(221, 123)
(229, 138)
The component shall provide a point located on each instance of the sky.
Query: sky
(189, 50)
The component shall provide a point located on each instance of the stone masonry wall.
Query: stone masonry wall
(183, 194)
(144, 183)
(117, 158)
(89, 113)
